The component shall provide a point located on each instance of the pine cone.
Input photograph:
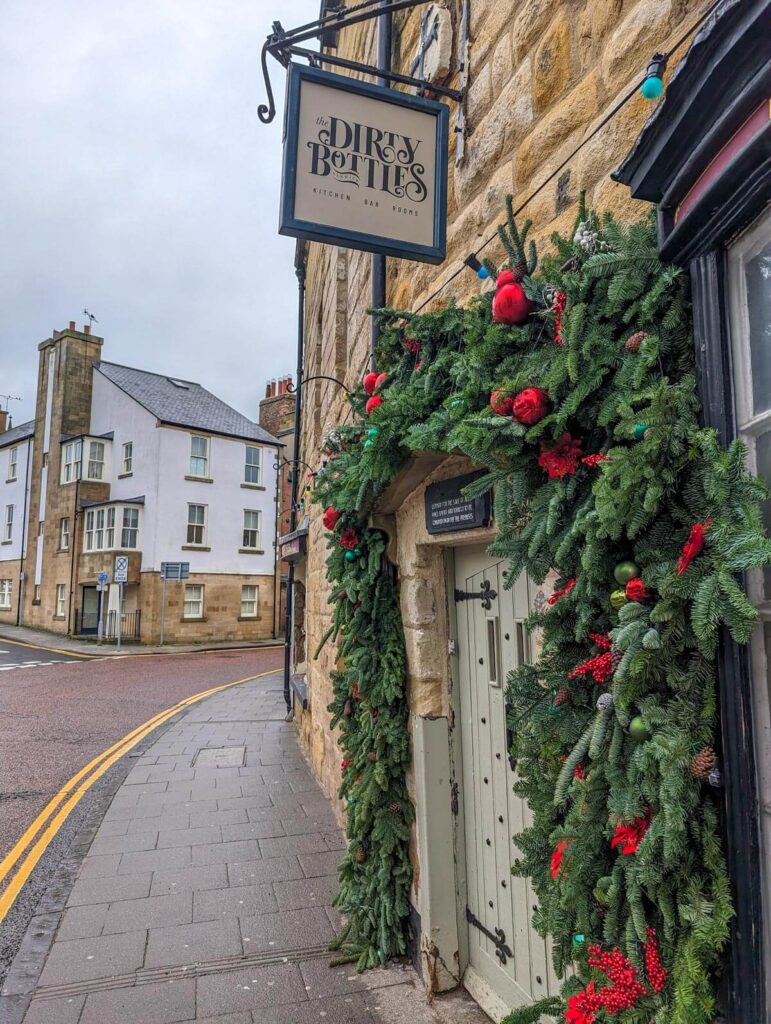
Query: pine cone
(395, 807)
(703, 763)
(361, 855)
(562, 697)
(616, 659)
(633, 342)
(519, 272)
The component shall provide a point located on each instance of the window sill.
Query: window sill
(195, 547)
(249, 618)
(62, 551)
(125, 476)
(60, 618)
(200, 479)
(197, 618)
(36, 602)
(250, 551)
(253, 487)
(11, 479)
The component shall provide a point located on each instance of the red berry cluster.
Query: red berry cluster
(600, 667)
(345, 764)
(594, 460)
(657, 976)
(559, 304)
(625, 988)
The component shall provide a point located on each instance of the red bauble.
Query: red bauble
(530, 406)
(370, 382)
(330, 517)
(381, 381)
(510, 304)
(372, 404)
(636, 590)
(501, 403)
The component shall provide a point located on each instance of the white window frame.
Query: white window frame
(194, 525)
(64, 533)
(199, 463)
(129, 530)
(109, 527)
(8, 524)
(251, 533)
(61, 600)
(192, 607)
(13, 456)
(253, 468)
(128, 457)
(96, 464)
(72, 461)
(250, 602)
(88, 531)
(6, 594)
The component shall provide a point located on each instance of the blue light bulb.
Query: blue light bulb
(652, 87)
(483, 273)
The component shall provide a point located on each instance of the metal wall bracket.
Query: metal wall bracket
(283, 45)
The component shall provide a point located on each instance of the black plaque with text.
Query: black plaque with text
(448, 511)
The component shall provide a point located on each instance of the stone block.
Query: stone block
(513, 108)
(531, 21)
(502, 63)
(551, 63)
(483, 149)
(642, 32)
(479, 96)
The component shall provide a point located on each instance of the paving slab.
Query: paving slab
(76, 960)
(164, 1003)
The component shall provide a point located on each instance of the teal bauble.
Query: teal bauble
(579, 940)
(368, 443)
(350, 556)
(639, 431)
(351, 801)
(357, 552)
(373, 432)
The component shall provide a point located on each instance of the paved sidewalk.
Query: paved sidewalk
(207, 892)
(56, 641)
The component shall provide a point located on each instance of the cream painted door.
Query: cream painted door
(509, 964)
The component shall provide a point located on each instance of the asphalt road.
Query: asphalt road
(55, 718)
(20, 657)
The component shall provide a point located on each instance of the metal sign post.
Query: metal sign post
(171, 571)
(120, 576)
(101, 586)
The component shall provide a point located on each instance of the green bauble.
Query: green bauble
(350, 556)
(357, 552)
(624, 572)
(638, 730)
(618, 599)
(368, 443)
(639, 431)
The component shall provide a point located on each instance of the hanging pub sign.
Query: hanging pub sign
(364, 167)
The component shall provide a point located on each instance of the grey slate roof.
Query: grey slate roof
(188, 406)
(20, 433)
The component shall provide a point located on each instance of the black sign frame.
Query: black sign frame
(329, 234)
(445, 505)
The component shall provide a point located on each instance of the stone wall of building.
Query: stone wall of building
(10, 570)
(541, 78)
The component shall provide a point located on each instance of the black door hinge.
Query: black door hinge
(454, 799)
(502, 950)
(485, 594)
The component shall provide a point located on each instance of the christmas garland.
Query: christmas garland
(575, 389)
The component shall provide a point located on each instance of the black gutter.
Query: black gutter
(299, 266)
(378, 267)
(74, 542)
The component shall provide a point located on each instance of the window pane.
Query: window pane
(758, 279)
(763, 459)
(96, 460)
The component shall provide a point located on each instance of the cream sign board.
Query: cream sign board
(364, 167)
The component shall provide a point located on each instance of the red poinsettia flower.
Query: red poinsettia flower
(556, 857)
(411, 344)
(628, 836)
(560, 459)
(693, 546)
(582, 1007)
(636, 590)
(562, 591)
(349, 539)
(530, 406)
(330, 517)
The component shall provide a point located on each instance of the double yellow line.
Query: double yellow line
(56, 810)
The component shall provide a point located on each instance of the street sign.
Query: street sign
(175, 570)
(120, 575)
(364, 167)
(102, 578)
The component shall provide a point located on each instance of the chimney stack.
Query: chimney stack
(86, 328)
(3, 420)
(72, 325)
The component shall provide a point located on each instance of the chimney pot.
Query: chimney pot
(86, 328)
(72, 325)
(3, 420)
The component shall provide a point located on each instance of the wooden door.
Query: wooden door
(509, 964)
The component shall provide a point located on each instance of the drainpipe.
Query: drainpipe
(299, 266)
(378, 268)
(24, 533)
(276, 559)
(73, 543)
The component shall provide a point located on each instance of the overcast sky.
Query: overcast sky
(137, 181)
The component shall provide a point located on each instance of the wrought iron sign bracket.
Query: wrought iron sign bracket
(502, 950)
(485, 594)
(283, 45)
